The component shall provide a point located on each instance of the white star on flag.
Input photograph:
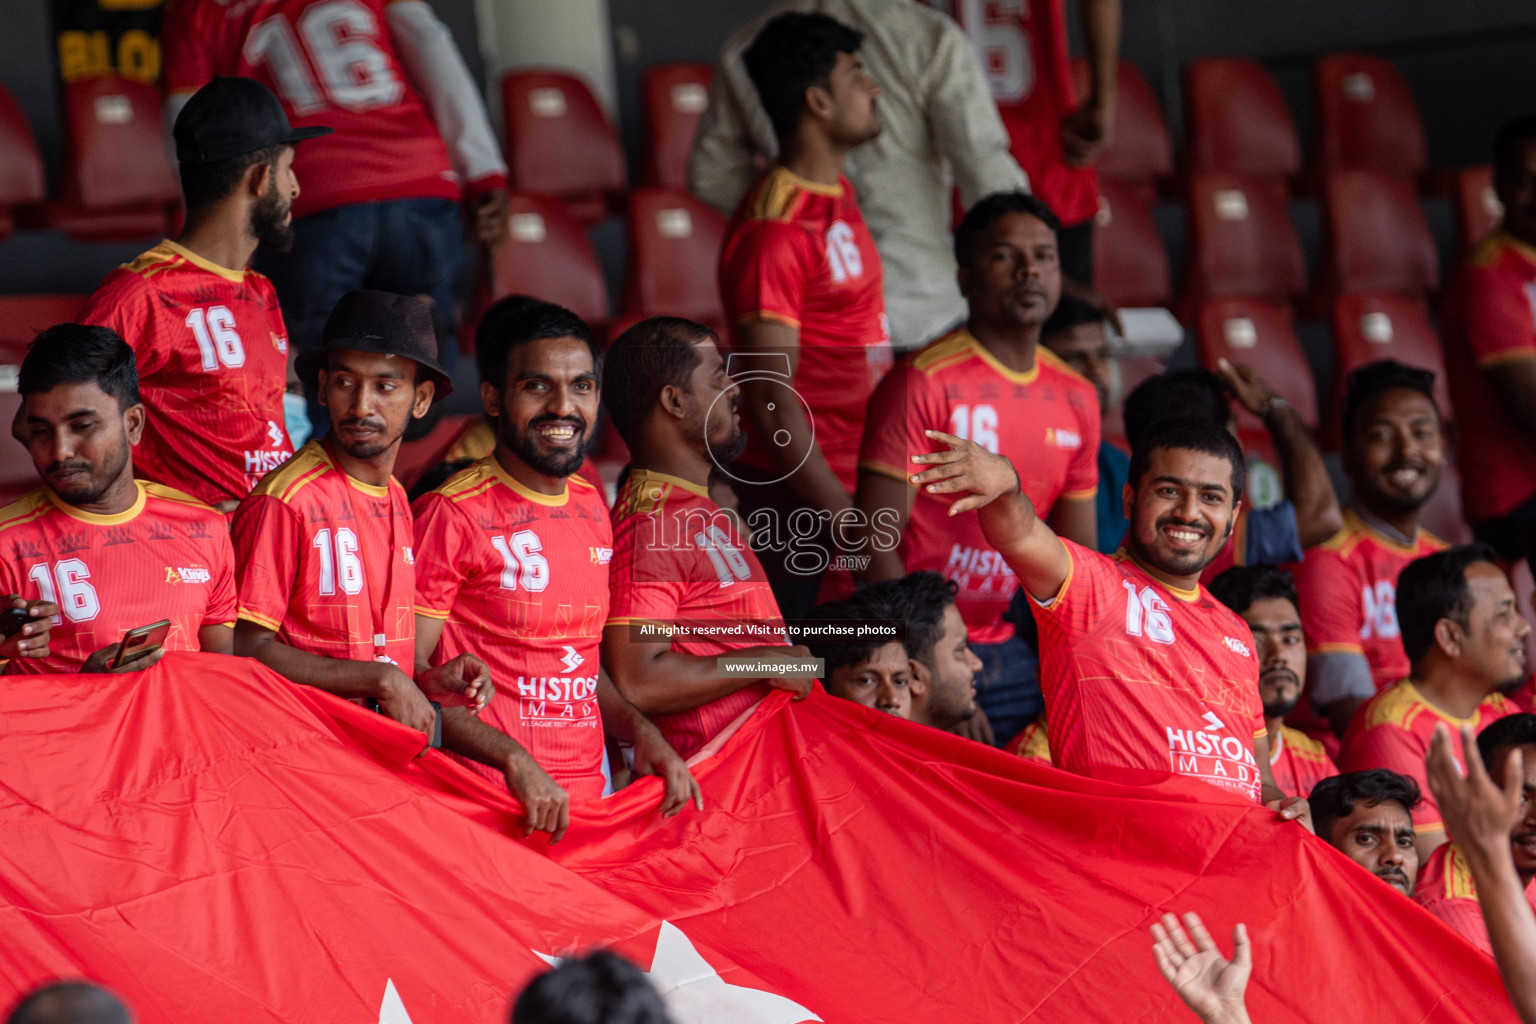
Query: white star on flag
(392, 1010)
(694, 992)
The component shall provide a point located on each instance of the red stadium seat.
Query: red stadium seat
(1241, 240)
(1238, 120)
(674, 96)
(1261, 334)
(1367, 117)
(1378, 237)
(559, 141)
(1478, 210)
(21, 165)
(547, 255)
(1141, 150)
(1130, 264)
(675, 245)
(1368, 326)
(21, 318)
(118, 183)
(1126, 372)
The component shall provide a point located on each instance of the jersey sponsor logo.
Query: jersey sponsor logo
(263, 461)
(1061, 438)
(1209, 752)
(275, 432)
(570, 660)
(964, 561)
(557, 700)
(1236, 646)
(185, 574)
(601, 556)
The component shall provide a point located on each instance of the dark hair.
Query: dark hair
(80, 354)
(1241, 585)
(600, 988)
(1366, 382)
(1187, 432)
(1335, 797)
(644, 359)
(517, 320)
(867, 604)
(792, 53)
(1195, 392)
(918, 599)
(1515, 132)
(1509, 733)
(78, 1002)
(204, 185)
(1074, 309)
(1433, 588)
(994, 207)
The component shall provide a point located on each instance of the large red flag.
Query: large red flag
(216, 843)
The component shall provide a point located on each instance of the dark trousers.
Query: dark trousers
(1511, 535)
(1074, 246)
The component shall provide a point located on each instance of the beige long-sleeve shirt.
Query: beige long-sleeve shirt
(941, 129)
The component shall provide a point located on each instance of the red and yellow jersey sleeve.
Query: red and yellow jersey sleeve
(1331, 613)
(904, 405)
(441, 536)
(267, 538)
(765, 271)
(1500, 308)
(646, 581)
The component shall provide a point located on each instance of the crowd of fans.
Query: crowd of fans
(791, 487)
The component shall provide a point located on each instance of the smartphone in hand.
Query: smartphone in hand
(140, 643)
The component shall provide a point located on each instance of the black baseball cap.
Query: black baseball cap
(382, 323)
(231, 116)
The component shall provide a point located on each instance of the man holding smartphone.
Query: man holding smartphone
(101, 552)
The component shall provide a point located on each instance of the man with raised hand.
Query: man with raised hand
(1143, 670)
(512, 560)
(326, 576)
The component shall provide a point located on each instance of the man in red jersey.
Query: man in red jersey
(1465, 642)
(512, 560)
(1056, 139)
(1489, 321)
(104, 552)
(207, 331)
(801, 283)
(991, 382)
(381, 204)
(1446, 888)
(1265, 598)
(1368, 817)
(326, 577)
(1394, 451)
(685, 587)
(1143, 671)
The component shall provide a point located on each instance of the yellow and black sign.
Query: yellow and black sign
(108, 37)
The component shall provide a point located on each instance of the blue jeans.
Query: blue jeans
(405, 246)
(1008, 688)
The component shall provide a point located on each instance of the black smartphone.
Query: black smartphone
(11, 621)
(140, 643)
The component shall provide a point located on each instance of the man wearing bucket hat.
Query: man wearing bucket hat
(207, 333)
(323, 561)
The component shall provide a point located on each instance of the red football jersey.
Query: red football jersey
(1031, 742)
(167, 557)
(678, 560)
(1023, 49)
(1393, 730)
(325, 561)
(800, 253)
(1445, 889)
(1490, 318)
(1298, 762)
(1138, 675)
(213, 363)
(331, 62)
(1348, 591)
(1045, 421)
(521, 580)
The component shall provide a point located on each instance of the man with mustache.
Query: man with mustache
(207, 330)
(679, 560)
(1394, 451)
(1445, 886)
(103, 552)
(1265, 598)
(1368, 817)
(868, 670)
(989, 381)
(513, 560)
(326, 576)
(1465, 642)
(1144, 673)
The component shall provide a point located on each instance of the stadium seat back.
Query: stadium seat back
(547, 255)
(21, 318)
(674, 96)
(1130, 263)
(1261, 334)
(1242, 241)
(1478, 210)
(675, 245)
(1141, 150)
(1366, 116)
(1126, 372)
(559, 140)
(1368, 326)
(21, 165)
(1378, 237)
(115, 146)
(1238, 120)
